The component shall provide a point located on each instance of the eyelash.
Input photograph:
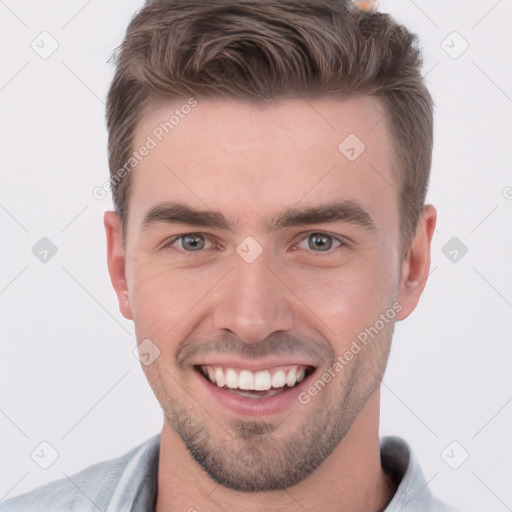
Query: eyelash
(168, 245)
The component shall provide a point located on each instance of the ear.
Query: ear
(416, 265)
(116, 260)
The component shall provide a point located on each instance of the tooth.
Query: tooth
(231, 378)
(291, 378)
(300, 374)
(246, 380)
(211, 373)
(219, 377)
(278, 379)
(262, 381)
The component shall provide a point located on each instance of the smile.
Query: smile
(256, 384)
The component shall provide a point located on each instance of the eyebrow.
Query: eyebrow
(340, 211)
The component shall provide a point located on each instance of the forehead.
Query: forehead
(248, 158)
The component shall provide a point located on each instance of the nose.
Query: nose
(253, 302)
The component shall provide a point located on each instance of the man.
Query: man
(269, 164)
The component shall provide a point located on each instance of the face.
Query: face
(260, 253)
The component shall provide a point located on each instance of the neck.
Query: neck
(350, 479)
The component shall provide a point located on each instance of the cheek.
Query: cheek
(348, 299)
(161, 296)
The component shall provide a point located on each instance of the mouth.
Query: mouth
(260, 384)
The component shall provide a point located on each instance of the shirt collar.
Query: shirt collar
(400, 463)
(137, 487)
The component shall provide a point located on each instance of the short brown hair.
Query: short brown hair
(258, 50)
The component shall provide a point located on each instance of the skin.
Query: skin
(251, 162)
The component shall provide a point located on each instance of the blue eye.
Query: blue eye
(190, 242)
(193, 242)
(321, 242)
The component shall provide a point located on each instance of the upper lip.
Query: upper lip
(253, 365)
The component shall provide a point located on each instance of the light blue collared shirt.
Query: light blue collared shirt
(129, 484)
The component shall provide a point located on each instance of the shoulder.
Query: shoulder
(89, 489)
(440, 506)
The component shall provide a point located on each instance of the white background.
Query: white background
(67, 372)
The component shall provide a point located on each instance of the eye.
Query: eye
(320, 242)
(189, 242)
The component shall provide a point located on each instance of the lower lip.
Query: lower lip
(248, 406)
